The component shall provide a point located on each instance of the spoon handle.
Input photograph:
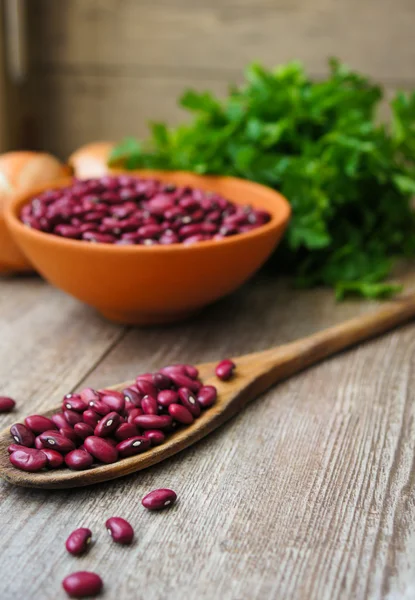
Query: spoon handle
(278, 363)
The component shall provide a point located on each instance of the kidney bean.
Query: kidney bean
(91, 418)
(39, 424)
(120, 530)
(189, 401)
(224, 370)
(56, 441)
(59, 420)
(207, 396)
(162, 381)
(191, 371)
(101, 449)
(166, 397)
(153, 421)
(115, 400)
(55, 459)
(89, 394)
(185, 381)
(149, 405)
(147, 388)
(74, 402)
(132, 446)
(39, 444)
(69, 433)
(83, 430)
(78, 459)
(155, 436)
(159, 499)
(29, 459)
(99, 407)
(6, 404)
(135, 412)
(125, 431)
(181, 414)
(82, 584)
(14, 447)
(72, 417)
(78, 541)
(145, 377)
(22, 435)
(132, 396)
(107, 424)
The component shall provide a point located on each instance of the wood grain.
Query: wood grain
(255, 373)
(100, 69)
(308, 494)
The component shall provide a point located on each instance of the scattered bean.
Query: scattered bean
(78, 541)
(6, 404)
(120, 530)
(224, 370)
(159, 499)
(82, 584)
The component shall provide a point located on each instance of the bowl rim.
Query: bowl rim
(275, 223)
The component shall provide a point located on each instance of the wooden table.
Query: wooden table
(307, 494)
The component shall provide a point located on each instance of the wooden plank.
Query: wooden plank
(225, 36)
(48, 342)
(81, 108)
(309, 493)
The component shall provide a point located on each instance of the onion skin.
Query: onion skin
(91, 160)
(21, 171)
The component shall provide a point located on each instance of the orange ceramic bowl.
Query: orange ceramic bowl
(11, 258)
(147, 285)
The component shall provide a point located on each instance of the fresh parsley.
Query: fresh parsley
(349, 178)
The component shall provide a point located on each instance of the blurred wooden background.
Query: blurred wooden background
(100, 69)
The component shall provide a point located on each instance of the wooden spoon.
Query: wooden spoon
(255, 373)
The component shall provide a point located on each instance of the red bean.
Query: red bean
(158, 499)
(180, 414)
(162, 381)
(29, 460)
(155, 436)
(99, 407)
(191, 371)
(207, 396)
(166, 397)
(56, 441)
(14, 447)
(59, 420)
(125, 431)
(78, 541)
(185, 381)
(107, 424)
(74, 402)
(89, 394)
(55, 459)
(22, 435)
(132, 396)
(115, 400)
(69, 433)
(78, 459)
(82, 584)
(189, 401)
(72, 417)
(91, 418)
(153, 421)
(132, 446)
(149, 405)
(120, 530)
(145, 377)
(224, 370)
(83, 430)
(39, 424)
(6, 404)
(101, 449)
(146, 388)
(135, 412)
(38, 443)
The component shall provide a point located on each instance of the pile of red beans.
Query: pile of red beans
(125, 210)
(102, 426)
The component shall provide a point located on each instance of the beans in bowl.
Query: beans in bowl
(127, 210)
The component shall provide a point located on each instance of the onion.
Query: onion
(21, 171)
(91, 160)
